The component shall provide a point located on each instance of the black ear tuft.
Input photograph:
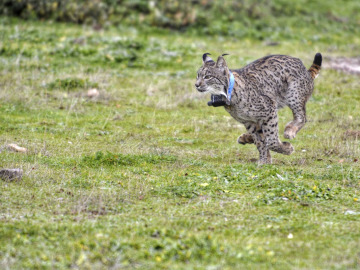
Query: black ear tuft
(205, 55)
(225, 54)
(207, 58)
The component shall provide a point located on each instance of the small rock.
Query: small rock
(351, 212)
(92, 93)
(14, 147)
(11, 174)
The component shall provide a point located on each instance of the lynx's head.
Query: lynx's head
(213, 77)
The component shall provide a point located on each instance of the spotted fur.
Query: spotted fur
(261, 88)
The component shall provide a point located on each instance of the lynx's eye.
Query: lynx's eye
(207, 77)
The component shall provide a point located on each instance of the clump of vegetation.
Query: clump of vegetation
(70, 84)
(109, 159)
(256, 19)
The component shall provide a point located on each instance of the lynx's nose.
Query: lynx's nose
(197, 85)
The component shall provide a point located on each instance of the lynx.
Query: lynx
(253, 95)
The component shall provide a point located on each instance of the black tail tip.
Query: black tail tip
(318, 59)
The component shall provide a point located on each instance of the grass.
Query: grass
(147, 176)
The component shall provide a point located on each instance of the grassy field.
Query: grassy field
(147, 176)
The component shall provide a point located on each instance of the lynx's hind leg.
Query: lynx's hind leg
(293, 127)
(299, 92)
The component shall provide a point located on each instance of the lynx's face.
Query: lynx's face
(213, 77)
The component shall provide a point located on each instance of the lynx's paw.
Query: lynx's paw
(245, 139)
(290, 132)
(261, 162)
(287, 148)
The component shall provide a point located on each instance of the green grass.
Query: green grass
(148, 176)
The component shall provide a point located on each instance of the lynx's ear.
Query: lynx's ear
(221, 63)
(207, 58)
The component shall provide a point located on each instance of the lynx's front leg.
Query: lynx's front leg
(245, 138)
(260, 141)
(271, 133)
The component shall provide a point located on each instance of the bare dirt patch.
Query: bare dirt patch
(344, 64)
(351, 134)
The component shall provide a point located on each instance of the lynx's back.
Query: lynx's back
(280, 77)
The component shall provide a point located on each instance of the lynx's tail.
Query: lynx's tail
(316, 66)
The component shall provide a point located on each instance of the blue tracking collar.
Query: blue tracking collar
(231, 86)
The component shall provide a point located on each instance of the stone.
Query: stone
(92, 93)
(14, 147)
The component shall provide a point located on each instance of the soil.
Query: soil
(344, 64)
